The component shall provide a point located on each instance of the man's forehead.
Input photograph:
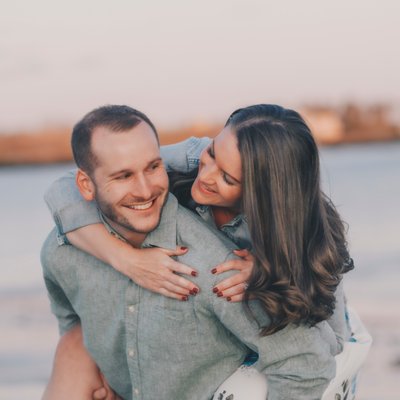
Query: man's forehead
(126, 150)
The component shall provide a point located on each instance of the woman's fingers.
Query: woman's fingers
(235, 299)
(156, 270)
(173, 294)
(179, 268)
(236, 282)
(242, 252)
(176, 266)
(238, 265)
(233, 288)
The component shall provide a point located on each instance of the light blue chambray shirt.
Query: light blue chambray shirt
(152, 347)
(70, 211)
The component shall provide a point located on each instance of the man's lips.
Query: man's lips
(140, 206)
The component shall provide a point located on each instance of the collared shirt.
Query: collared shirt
(70, 211)
(152, 347)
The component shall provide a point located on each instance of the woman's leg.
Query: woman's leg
(75, 375)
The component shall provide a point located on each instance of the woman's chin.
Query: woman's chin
(198, 197)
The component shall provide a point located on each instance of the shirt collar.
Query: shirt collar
(206, 214)
(165, 233)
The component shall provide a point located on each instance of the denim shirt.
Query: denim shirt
(152, 347)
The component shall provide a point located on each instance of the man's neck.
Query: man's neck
(135, 239)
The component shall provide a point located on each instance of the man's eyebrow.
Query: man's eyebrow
(126, 170)
(213, 151)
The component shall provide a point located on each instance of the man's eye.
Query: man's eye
(124, 176)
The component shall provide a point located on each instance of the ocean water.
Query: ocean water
(364, 183)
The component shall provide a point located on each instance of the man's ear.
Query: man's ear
(85, 185)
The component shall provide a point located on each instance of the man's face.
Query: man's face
(131, 184)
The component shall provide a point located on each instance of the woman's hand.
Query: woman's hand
(153, 269)
(156, 270)
(233, 288)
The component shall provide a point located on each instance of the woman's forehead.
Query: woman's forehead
(227, 154)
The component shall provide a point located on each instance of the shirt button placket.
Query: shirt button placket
(131, 321)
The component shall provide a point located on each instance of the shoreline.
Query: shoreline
(52, 145)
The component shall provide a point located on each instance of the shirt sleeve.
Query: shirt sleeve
(60, 305)
(338, 320)
(68, 208)
(298, 360)
(184, 156)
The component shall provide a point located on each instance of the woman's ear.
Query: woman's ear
(85, 185)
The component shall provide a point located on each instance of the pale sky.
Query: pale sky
(183, 61)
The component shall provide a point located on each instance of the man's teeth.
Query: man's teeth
(142, 206)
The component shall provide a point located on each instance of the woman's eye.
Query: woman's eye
(210, 152)
(227, 180)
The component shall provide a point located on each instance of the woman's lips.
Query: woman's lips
(204, 188)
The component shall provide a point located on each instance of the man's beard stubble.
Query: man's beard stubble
(109, 211)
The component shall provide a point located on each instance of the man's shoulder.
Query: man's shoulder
(54, 256)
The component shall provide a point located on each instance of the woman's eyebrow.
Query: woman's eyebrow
(227, 173)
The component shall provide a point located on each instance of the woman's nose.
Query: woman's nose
(207, 172)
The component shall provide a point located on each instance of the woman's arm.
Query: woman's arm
(153, 269)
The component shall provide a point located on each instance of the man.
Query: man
(149, 346)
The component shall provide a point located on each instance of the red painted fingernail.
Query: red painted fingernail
(195, 290)
(228, 299)
(194, 273)
(214, 271)
(219, 294)
(215, 290)
(185, 298)
(184, 248)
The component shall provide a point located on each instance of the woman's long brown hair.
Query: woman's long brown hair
(297, 235)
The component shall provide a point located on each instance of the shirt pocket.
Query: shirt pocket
(172, 332)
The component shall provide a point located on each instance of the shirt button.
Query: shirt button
(131, 309)
(131, 353)
(136, 391)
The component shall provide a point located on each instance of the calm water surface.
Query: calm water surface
(363, 181)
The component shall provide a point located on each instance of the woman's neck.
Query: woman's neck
(223, 215)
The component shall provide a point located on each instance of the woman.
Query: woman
(259, 183)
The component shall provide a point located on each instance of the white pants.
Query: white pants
(247, 383)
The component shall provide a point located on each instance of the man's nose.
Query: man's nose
(142, 188)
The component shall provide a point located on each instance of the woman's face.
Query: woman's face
(218, 182)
